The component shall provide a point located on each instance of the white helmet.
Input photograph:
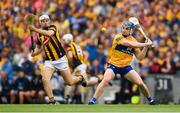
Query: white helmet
(67, 38)
(42, 17)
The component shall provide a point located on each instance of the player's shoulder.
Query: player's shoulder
(73, 44)
(118, 37)
(52, 27)
(133, 38)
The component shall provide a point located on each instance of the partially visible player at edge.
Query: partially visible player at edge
(56, 60)
(123, 48)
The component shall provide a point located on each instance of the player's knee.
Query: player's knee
(45, 79)
(70, 83)
(105, 82)
(140, 83)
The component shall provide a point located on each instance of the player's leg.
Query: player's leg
(63, 68)
(79, 94)
(68, 93)
(95, 80)
(135, 78)
(81, 71)
(71, 79)
(92, 81)
(47, 73)
(108, 76)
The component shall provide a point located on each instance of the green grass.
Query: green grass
(88, 108)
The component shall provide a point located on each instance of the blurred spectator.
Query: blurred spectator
(96, 68)
(63, 25)
(17, 57)
(21, 88)
(1, 43)
(6, 86)
(101, 56)
(37, 89)
(155, 67)
(28, 66)
(160, 19)
(168, 67)
(92, 48)
(7, 66)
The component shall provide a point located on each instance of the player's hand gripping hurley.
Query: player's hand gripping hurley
(135, 21)
(29, 19)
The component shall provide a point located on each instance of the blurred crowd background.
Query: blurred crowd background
(20, 73)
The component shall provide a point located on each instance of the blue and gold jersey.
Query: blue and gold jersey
(120, 55)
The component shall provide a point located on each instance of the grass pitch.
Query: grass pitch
(70, 108)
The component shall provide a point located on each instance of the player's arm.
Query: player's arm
(141, 54)
(48, 33)
(38, 49)
(132, 44)
(70, 57)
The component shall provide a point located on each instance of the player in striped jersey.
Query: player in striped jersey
(56, 60)
(78, 64)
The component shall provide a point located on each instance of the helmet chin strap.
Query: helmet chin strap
(45, 27)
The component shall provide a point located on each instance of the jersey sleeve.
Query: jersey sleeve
(53, 28)
(119, 39)
(38, 40)
(136, 49)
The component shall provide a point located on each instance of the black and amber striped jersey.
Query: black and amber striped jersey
(51, 45)
(78, 57)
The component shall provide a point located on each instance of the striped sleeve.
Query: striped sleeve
(38, 40)
(52, 27)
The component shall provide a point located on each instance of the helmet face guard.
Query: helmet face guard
(44, 20)
(67, 38)
(128, 26)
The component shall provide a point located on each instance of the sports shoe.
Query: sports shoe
(154, 102)
(67, 99)
(53, 102)
(110, 83)
(92, 101)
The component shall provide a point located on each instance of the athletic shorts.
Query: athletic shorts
(60, 64)
(81, 69)
(120, 70)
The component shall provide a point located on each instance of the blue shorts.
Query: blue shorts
(120, 70)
